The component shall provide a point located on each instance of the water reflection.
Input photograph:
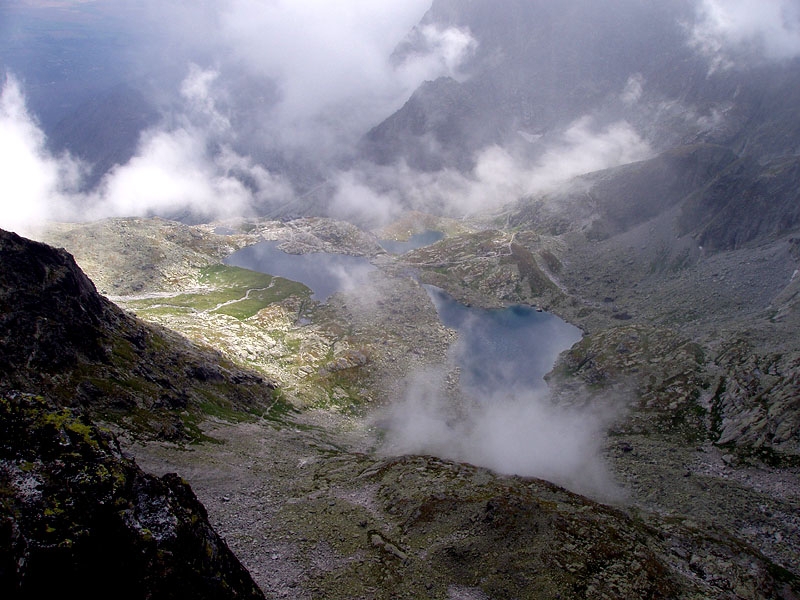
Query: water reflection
(323, 272)
(418, 240)
(511, 348)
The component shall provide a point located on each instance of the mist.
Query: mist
(261, 104)
(513, 431)
(253, 97)
(489, 404)
(181, 170)
(34, 186)
(189, 168)
(303, 78)
(730, 32)
(375, 195)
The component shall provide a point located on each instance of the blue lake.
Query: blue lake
(497, 349)
(418, 240)
(503, 349)
(324, 273)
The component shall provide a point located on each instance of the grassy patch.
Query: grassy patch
(232, 291)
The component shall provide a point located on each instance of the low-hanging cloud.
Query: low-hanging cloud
(188, 166)
(521, 432)
(245, 88)
(178, 169)
(170, 173)
(489, 403)
(34, 185)
(500, 175)
(330, 63)
(728, 30)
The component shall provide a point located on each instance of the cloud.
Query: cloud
(245, 88)
(633, 89)
(524, 433)
(200, 102)
(438, 52)
(320, 53)
(355, 201)
(189, 166)
(500, 176)
(501, 414)
(170, 173)
(727, 30)
(34, 185)
(177, 169)
(330, 62)
(293, 84)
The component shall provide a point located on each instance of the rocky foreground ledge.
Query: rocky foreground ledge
(75, 514)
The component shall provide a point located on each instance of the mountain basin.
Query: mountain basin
(323, 272)
(418, 240)
(503, 349)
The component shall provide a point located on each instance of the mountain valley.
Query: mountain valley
(174, 425)
(689, 442)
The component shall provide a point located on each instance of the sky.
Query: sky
(240, 80)
(326, 66)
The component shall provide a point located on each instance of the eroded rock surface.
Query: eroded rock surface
(76, 514)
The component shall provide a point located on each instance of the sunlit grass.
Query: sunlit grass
(232, 291)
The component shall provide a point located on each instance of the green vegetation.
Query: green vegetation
(232, 291)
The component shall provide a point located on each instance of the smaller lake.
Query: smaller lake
(324, 273)
(503, 349)
(418, 240)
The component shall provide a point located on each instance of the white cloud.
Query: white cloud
(175, 169)
(633, 89)
(34, 185)
(441, 52)
(522, 434)
(320, 53)
(330, 62)
(278, 80)
(201, 103)
(170, 172)
(728, 29)
(355, 201)
(500, 176)
(187, 167)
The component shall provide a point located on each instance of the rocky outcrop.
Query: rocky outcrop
(489, 266)
(457, 526)
(75, 514)
(361, 526)
(756, 402)
(664, 371)
(60, 338)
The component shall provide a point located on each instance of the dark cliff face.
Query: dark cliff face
(52, 314)
(74, 512)
(59, 337)
(76, 515)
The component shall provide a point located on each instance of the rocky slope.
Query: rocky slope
(77, 514)
(294, 503)
(60, 338)
(316, 520)
(536, 68)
